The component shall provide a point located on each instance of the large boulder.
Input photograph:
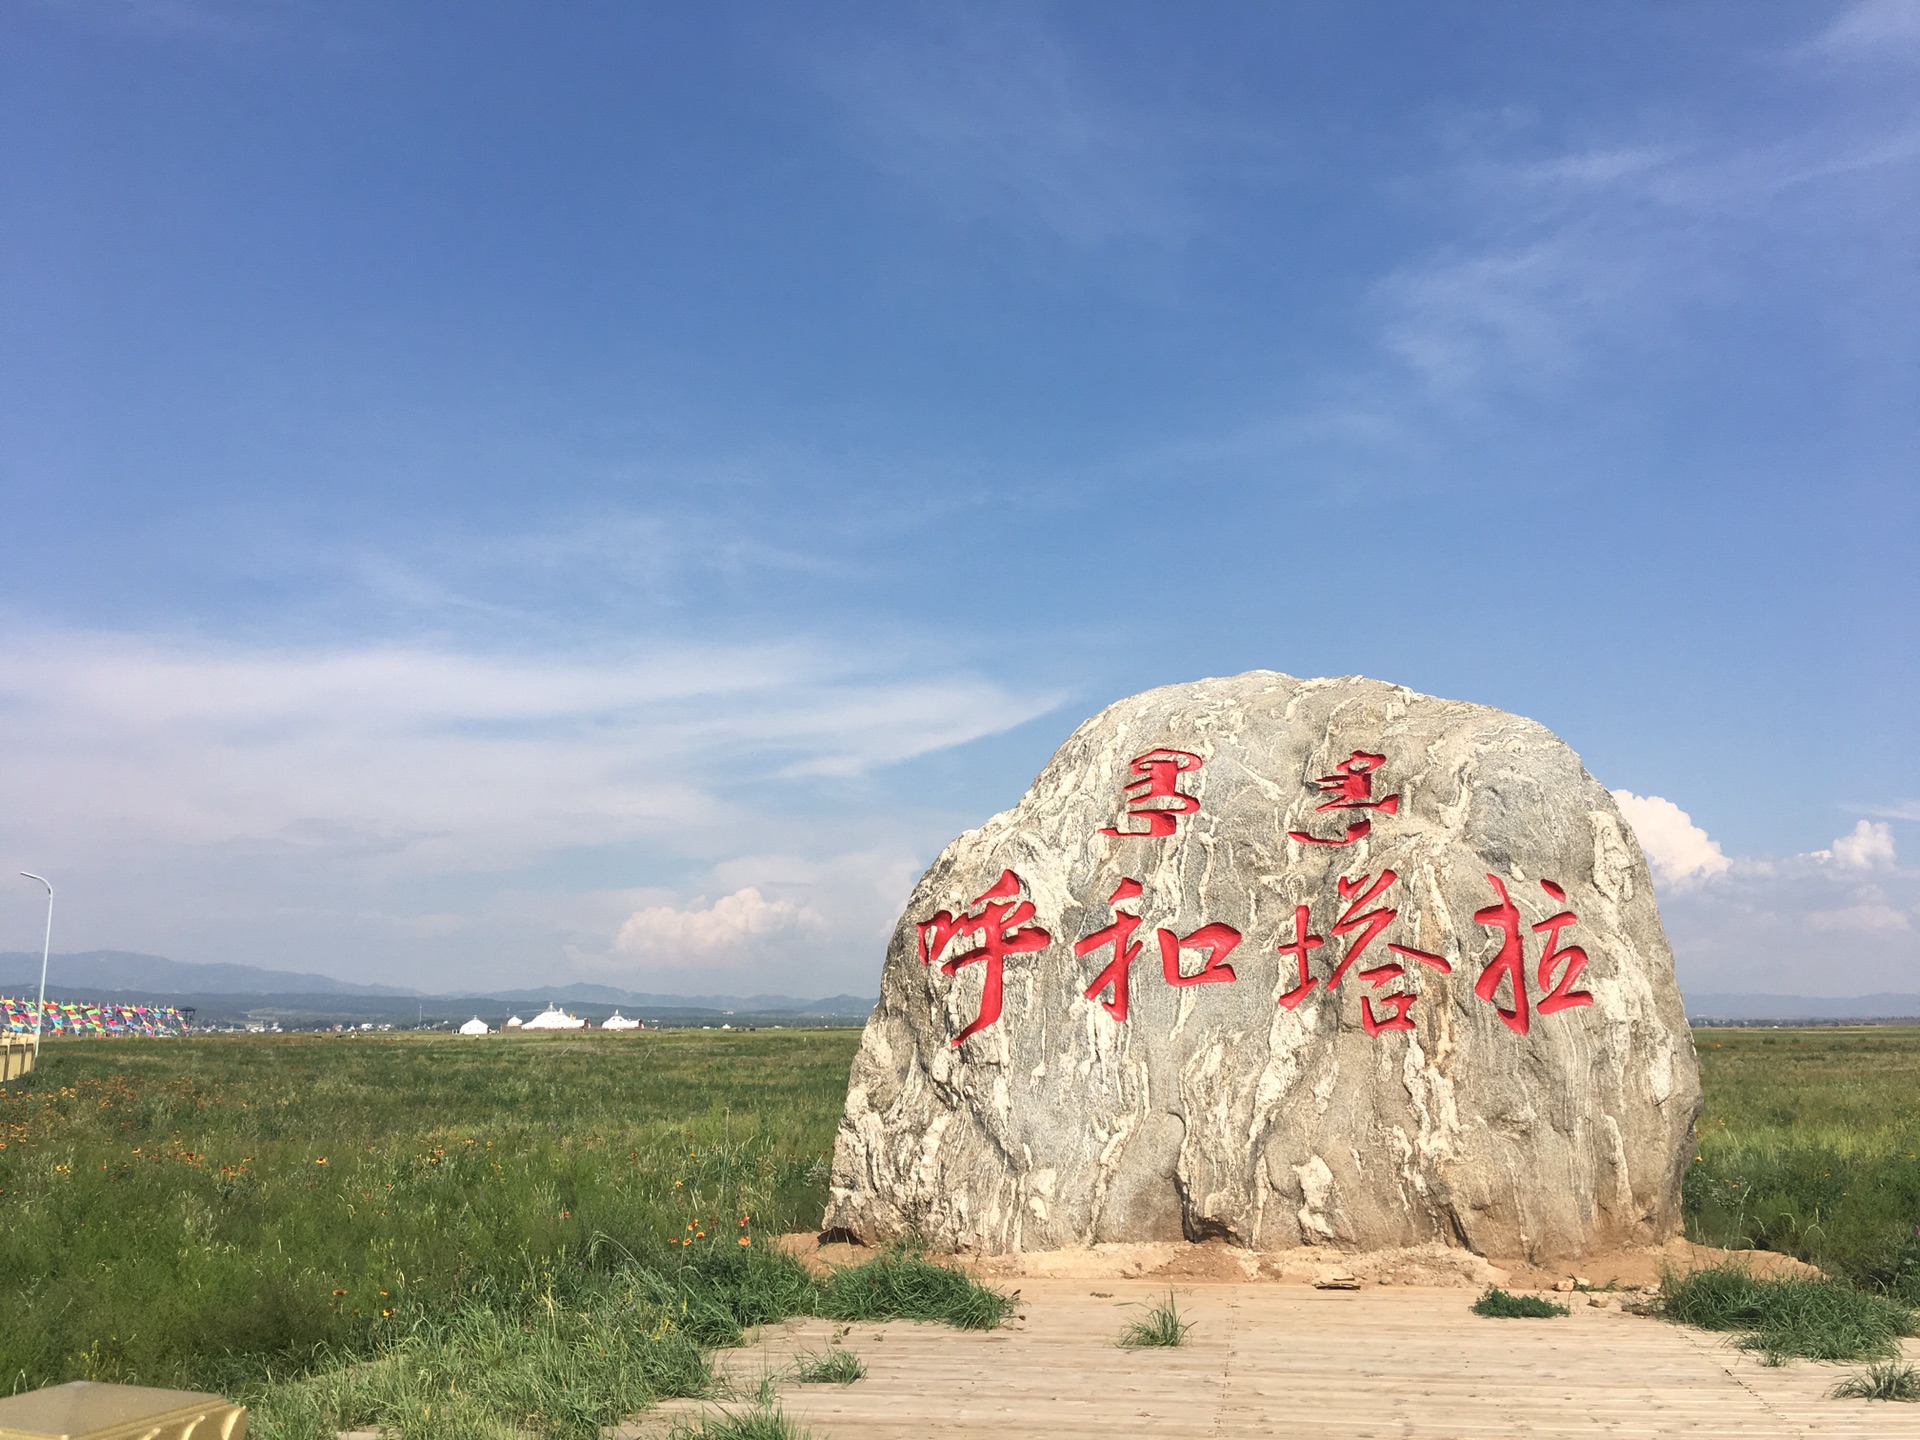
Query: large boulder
(1281, 962)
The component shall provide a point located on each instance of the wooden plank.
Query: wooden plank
(1264, 1359)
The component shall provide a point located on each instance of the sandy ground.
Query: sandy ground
(1427, 1265)
(1288, 1359)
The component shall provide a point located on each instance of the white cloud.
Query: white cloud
(730, 925)
(431, 814)
(478, 759)
(1803, 924)
(1462, 322)
(1677, 849)
(1866, 846)
(991, 115)
(1859, 918)
(1873, 30)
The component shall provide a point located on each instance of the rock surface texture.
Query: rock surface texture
(1281, 962)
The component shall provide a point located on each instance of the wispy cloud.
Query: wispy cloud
(490, 755)
(1873, 31)
(352, 790)
(1548, 264)
(988, 115)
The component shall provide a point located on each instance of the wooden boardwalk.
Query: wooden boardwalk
(1290, 1361)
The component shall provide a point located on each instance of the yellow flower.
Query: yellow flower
(746, 1240)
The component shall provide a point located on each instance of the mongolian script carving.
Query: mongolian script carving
(1159, 772)
(1351, 786)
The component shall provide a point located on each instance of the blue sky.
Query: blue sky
(497, 493)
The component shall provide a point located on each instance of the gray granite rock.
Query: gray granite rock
(1022, 1086)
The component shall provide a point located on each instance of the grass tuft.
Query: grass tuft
(833, 1367)
(763, 1421)
(1890, 1381)
(1504, 1305)
(904, 1285)
(1812, 1319)
(1162, 1327)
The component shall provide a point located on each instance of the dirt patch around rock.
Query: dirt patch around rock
(1421, 1265)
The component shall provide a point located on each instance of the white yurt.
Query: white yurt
(514, 1022)
(554, 1018)
(617, 1021)
(476, 1026)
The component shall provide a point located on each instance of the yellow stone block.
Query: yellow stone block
(86, 1410)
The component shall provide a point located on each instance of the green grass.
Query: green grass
(903, 1285)
(1162, 1327)
(1503, 1305)
(536, 1232)
(1812, 1319)
(760, 1421)
(431, 1234)
(1891, 1381)
(1810, 1146)
(831, 1367)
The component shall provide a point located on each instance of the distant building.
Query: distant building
(617, 1021)
(476, 1026)
(514, 1022)
(554, 1018)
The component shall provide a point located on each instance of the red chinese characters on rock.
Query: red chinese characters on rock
(1120, 936)
(998, 917)
(1351, 786)
(1509, 964)
(1156, 797)
(1356, 895)
(1216, 940)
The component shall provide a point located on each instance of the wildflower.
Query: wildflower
(339, 1292)
(386, 1312)
(746, 1240)
(699, 1234)
(321, 1161)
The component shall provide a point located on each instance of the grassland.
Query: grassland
(285, 1217)
(468, 1237)
(1810, 1145)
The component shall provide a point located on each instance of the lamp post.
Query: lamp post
(46, 948)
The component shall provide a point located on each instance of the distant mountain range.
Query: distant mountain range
(99, 973)
(1883, 1006)
(129, 970)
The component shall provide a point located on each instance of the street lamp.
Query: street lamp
(46, 947)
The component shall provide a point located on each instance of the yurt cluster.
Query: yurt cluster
(551, 1018)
